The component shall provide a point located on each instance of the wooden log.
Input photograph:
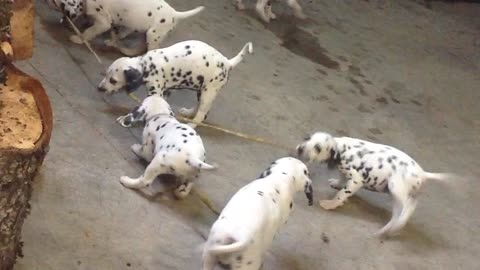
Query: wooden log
(22, 24)
(25, 131)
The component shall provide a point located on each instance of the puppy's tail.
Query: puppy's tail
(441, 177)
(202, 165)
(248, 48)
(228, 248)
(180, 15)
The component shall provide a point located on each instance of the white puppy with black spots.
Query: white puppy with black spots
(156, 18)
(372, 166)
(192, 65)
(249, 222)
(264, 9)
(70, 8)
(170, 147)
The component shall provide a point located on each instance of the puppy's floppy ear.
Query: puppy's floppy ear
(136, 115)
(133, 79)
(309, 193)
(334, 159)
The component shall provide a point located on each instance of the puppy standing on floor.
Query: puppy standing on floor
(189, 64)
(155, 17)
(264, 9)
(371, 166)
(249, 222)
(170, 147)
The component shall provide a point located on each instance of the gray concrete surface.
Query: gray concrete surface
(396, 73)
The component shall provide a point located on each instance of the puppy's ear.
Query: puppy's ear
(334, 159)
(136, 115)
(309, 193)
(133, 79)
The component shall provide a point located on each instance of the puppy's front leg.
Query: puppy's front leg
(101, 25)
(352, 186)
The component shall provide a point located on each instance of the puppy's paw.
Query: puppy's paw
(76, 39)
(136, 148)
(299, 14)
(272, 16)
(182, 191)
(189, 113)
(329, 204)
(335, 183)
(110, 43)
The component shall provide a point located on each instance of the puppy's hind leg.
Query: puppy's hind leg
(153, 169)
(156, 35)
(206, 101)
(260, 8)
(404, 204)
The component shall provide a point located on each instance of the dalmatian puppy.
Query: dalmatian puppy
(70, 8)
(372, 166)
(245, 229)
(190, 65)
(264, 9)
(170, 147)
(154, 17)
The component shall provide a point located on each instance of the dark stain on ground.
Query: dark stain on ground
(300, 42)
(354, 70)
(116, 110)
(394, 88)
(321, 98)
(325, 238)
(381, 100)
(254, 97)
(321, 71)
(359, 86)
(375, 131)
(56, 30)
(362, 108)
(416, 102)
(333, 109)
(372, 138)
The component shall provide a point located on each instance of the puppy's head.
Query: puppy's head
(72, 8)
(123, 74)
(319, 147)
(151, 106)
(297, 172)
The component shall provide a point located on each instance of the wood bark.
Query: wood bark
(18, 167)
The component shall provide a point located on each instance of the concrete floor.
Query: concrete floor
(396, 73)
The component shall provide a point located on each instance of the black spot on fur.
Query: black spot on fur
(260, 193)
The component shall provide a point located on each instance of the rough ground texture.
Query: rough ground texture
(396, 73)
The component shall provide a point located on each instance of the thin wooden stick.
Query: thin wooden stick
(83, 40)
(224, 130)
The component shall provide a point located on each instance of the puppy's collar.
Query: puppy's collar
(159, 115)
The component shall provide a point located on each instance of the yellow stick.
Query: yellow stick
(83, 40)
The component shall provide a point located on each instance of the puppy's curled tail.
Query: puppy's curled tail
(248, 48)
(187, 14)
(202, 165)
(229, 248)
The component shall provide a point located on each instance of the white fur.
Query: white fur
(249, 222)
(186, 65)
(156, 18)
(264, 9)
(170, 147)
(372, 166)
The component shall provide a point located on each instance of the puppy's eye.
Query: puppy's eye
(113, 81)
(305, 172)
(318, 148)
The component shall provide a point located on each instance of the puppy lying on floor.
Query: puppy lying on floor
(192, 65)
(170, 147)
(249, 222)
(371, 166)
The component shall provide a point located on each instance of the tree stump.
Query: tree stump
(25, 126)
(25, 130)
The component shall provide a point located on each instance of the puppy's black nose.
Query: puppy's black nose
(101, 89)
